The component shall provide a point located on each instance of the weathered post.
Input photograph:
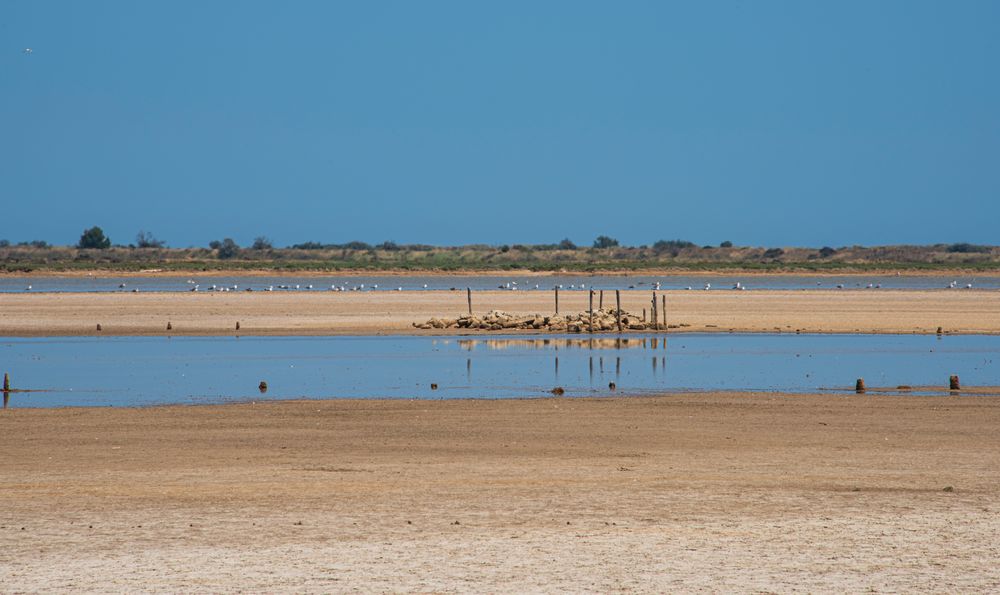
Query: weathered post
(953, 383)
(557, 301)
(600, 305)
(656, 317)
(591, 310)
(468, 295)
(618, 301)
(6, 382)
(664, 297)
(859, 386)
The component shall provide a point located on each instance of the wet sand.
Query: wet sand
(718, 492)
(388, 312)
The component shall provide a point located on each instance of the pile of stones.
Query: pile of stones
(604, 320)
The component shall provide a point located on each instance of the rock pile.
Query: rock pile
(604, 320)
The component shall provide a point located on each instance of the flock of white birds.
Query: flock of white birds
(510, 286)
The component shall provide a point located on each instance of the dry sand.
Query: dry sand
(713, 492)
(385, 312)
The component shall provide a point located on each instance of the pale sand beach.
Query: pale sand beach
(389, 312)
(694, 492)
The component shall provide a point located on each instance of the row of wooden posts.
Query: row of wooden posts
(654, 309)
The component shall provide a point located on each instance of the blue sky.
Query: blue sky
(764, 123)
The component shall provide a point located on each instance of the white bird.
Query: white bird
(27, 51)
(309, 286)
(401, 289)
(737, 285)
(121, 286)
(375, 286)
(28, 288)
(708, 286)
(536, 285)
(425, 286)
(968, 285)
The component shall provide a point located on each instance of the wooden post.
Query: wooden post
(953, 383)
(557, 301)
(6, 382)
(600, 305)
(656, 317)
(859, 386)
(468, 295)
(618, 301)
(664, 297)
(591, 324)
(644, 315)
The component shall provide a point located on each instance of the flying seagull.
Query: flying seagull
(27, 51)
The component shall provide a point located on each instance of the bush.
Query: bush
(356, 246)
(261, 243)
(389, 246)
(505, 248)
(605, 242)
(567, 244)
(4, 243)
(227, 248)
(965, 248)
(826, 252)
(773, 252)
(94, 238)
(144, 239)
(726, 244)
(665, 245)
(308, 246)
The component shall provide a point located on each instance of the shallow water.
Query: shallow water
(481, 282)
(135, 371)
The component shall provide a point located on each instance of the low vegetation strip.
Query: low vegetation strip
(605, 255)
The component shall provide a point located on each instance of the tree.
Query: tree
(94, 238)
(567, 244)
(227, 248)
(726, 244)
(4, 243)
(826, 252)
(144, 239)
(261, 243)
(605, 242)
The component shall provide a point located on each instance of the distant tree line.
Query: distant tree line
(94, 238)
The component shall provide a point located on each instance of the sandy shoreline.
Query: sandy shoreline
(374, 313)
(718, 492)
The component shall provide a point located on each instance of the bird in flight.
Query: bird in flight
(27, 51)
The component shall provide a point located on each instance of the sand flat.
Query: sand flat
(387, 312)
(718, 492)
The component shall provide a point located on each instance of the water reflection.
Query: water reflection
(565, 343)
(154, 370)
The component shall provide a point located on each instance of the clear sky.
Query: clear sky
(764, 123)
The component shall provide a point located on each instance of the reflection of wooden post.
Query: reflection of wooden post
(468, 295)
(591, 322)
(953, 383)
(859, 386)
(557, 301)
(618, 301)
